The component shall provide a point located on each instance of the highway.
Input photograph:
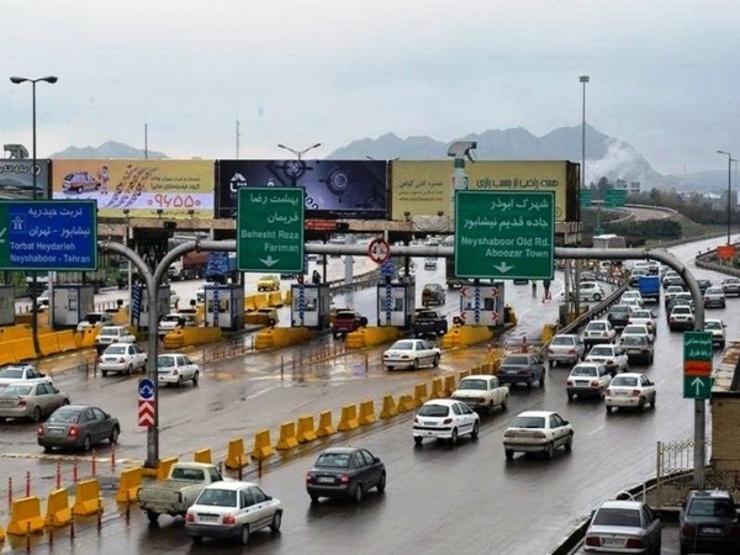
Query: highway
(439, 498)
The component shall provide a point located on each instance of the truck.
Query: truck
(191, 266)
(179, 491)
(429, 322)
(649, 287)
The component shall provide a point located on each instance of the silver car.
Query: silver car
(31, 399)
(567, 348)
(78, 426)
(624, 526)
(714, 297)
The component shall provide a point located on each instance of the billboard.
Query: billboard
(424, 188)
(140, 186)
(16, 179)
(334, 188)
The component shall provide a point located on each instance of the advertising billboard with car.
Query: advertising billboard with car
(16, 179)
(334, 188)
(179, 188)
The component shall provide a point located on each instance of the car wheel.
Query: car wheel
(381, 483)
(530, 383)
(179, 381)
(453, 436)
(152, 516)
(104, 373)
(550, 451)
(509, 454)
(416, 364)
(277, 520)
(435, 362)
(195, 379)
(553, 363)
(569, 443)
(314, 498)
(87, 443)
(490, 408)
(418, 440)
(476, 429)
(244, 535)
(608, 409)
(641, 407)
(542, 379)
(115, 432)
(357, 495)
(597, 297)
(36, 416)
(570, 397)
(652, 402)
(130, 369)
(390, 368)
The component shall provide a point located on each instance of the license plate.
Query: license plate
(325, 480)
(208, 518)
(709, 530)
(56, 431)
(611, 542)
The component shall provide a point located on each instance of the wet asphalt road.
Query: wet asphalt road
(439, 498)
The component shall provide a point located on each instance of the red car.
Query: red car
(347, 321)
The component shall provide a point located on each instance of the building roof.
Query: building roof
(724, 372)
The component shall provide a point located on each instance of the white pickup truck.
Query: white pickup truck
(179, 491)
(483, 391)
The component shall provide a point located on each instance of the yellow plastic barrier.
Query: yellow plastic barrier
(121, 318)
(420, 394)
(278, 338)
(163, 470)
(2, 533)
(548, 332)
(203, 456)
(128, 488)
(236, 456)
(184, 337)
(275, 299)
(306, 431)
(58, 511)
(287, 439)
(367, 413)
(6, 355)
(249, 304)
(262, 445)
(406, 403)
(465, 335)
(325, 427)
(260, 301)
(22, 349)
(9, 333)
(25, 517)
(438, 390)
(66, 340)
(371, 337)
(349, 420)
(288, 296)
(49, 344)
(86, 338)
(449, 386)
(87, 498)
(389, 409)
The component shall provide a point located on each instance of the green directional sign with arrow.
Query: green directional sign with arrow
(697, 387)
(269, 230)
(504, 234)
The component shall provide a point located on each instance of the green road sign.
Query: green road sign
(697, 345)
(269, 230)
(586, 198)
(697, 387)
(615, 198)
(504, 235)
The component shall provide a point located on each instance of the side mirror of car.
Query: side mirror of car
(376, 460)
(268, 497)
(42, 375)
(565, 422)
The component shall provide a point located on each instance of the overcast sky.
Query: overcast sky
(664, 73)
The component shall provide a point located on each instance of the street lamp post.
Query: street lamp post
(299, 153)
(583, 79)
(51, 79)
(730, 160)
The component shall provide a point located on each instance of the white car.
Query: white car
(176, 369)
(637, 329)
(174, 321)
(632, 298)
(591, 291)
(587, 379)
(646, 318)
(122, 357)
(681, 318)
(113, 334)
(411, 353)
(630, 390)
(670, 292)
(598, 331)
(482, 391)
(232, 510)
(717, 329)
(445, 419)
(610, 355)
(538, 431)
(20, 373)
(92, 319)
(567, 348)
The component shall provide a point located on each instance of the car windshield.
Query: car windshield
(563, 340)
(171, 318)
(711, 507)
(165, 361)
(473, 384)
(528, 422)
(217, 498)
(583, 371)
(709, 325)
(642, 315)
(620, 308)
(65, 416)
(715, 291)
(674, 289)
(345, 316)
(517, 360)
(93, 317)
(434, 410)
(108, 331)
(333, 460)
(617, 517)
(16, 391)
(624, 381)
(682, 309)
(403, 346)
(116, 350)
(431, 288)
(426, 314)
(636, 330)
(601, 351)
(634, 340)
(11, 373)
(596, 326)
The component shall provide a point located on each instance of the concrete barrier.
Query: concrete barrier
(420, 394)
(184, 337)
(9, 333)
(389, 409)
(262, 445)
(463, 336)
(367, 413)
(275, 299)
(371, 337)
(163, 470)
(58, 511)
(203, 456)
(449, 385)
(325, 427)
(348, 420)
(288, 297)
(25, 517)
(66, 340)
(438, 389)
(49, 344)
(406, 403)
(249, 304)
(6, 356)
(306, 431)
(87, 498)
(260, 301)
(278, 338)
(287, 439)
(236, 456)
(128, 487)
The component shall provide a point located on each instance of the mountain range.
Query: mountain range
(605, 156)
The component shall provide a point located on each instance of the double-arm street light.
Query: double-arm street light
(299, 153)
(730, 160)
(51, 79)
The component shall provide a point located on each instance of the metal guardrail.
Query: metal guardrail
(701, 262)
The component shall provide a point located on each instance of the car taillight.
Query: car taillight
(539, 435)
(121, 360)
(73, 431)
(735, 530)
(595, 383)
(572, 352)
(405, 357)
(447, 421)
(608, 392)
(634, 543)
(40, 430)
(569, 382)
(509, 433)
(635, 392)
(550, 351)
(174, 372)
(189, 517)
(416, 420)
(604, 334)
(593, 541)
(229, 519)
(673, 319)
(309, 478)
(22, 402)
(344, 479)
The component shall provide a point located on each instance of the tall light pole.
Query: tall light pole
(730, 160)
(51, 79)
(583, 79)
(299, 153)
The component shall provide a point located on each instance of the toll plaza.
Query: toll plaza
(140, 305)
(70, 304)
(396, 304)
(310, 305)
(482, 304)
(224, 305)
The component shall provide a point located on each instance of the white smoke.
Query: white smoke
(621, 161)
